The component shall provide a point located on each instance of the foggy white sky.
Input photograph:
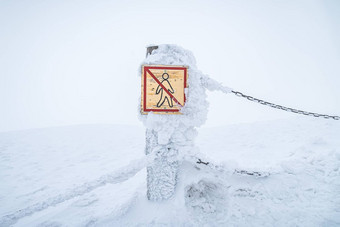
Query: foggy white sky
(76, 62)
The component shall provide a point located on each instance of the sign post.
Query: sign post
(163, 92)
(173, 104)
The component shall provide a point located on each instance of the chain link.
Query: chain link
(250, 98)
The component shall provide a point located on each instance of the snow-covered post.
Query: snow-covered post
(170, 137)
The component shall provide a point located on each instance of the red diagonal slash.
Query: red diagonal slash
(160, 84)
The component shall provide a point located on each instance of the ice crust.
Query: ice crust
(172, 136)
(181, 128)
(196, 106)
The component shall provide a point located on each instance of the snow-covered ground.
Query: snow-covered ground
(278, 173)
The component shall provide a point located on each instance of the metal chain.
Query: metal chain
(250, 98)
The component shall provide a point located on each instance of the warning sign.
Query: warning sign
(163, 88)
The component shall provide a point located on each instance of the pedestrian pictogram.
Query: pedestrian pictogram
(163, 88)
(163, 95)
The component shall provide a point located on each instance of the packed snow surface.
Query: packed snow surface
(278, 173)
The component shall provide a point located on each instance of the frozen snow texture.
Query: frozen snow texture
(169, 134)
(302, 188)
(207, 199)
(173, 135)
(163, 169)
(118, 176)
(213, 85)
(196, 106)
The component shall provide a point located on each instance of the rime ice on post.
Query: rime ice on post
(171, 119)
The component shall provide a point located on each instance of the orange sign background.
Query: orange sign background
(163, 88)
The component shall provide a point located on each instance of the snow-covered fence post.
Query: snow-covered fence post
(173, 104)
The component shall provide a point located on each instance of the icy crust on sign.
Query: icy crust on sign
(194, 112)
(171, 137)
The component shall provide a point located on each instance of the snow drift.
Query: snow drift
(299, 160)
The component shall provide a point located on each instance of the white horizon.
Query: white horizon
(69, 62)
